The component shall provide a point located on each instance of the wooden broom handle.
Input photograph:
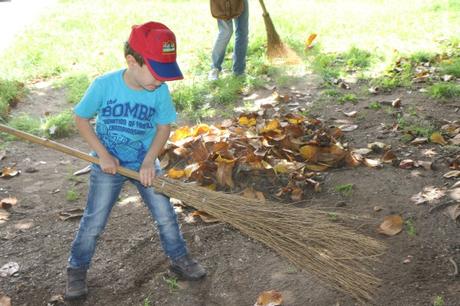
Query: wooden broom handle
(64, 149)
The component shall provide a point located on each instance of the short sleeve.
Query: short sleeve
(165, 112)
(91, 101)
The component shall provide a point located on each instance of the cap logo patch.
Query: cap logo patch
(169, 47)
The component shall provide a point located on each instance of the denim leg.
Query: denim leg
(220, 45)
(165, 218)
(102, 195)
(241, 41)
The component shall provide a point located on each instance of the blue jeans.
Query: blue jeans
(241, 41)
(103, 193)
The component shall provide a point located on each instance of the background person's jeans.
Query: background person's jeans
(103, 193)
(241, 41)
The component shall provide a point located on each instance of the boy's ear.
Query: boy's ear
(130, 60)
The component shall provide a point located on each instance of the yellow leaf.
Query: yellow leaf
(176, 173)
(181, 133)
(437, 138)
(309, 41)
(190, 169)
(200, 129)
(269, 298)
(247, 121)
(391, 225)
(309, 152)
(272, 125)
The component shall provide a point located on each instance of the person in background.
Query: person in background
(225, 27)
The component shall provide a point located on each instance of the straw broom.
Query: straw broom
(307, 237)
(276, 49)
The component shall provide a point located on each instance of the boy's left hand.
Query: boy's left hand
(147, 174)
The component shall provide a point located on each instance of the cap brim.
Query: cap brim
(164, 71)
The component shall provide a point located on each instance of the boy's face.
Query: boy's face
(141, 75)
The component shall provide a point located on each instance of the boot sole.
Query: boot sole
(184, 276)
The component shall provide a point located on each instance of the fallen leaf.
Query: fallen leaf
(455, 141)
(9, 269)
(454, 211)
(391, 225)
(429, 194)
(9, 172)
(7, 203)
(437, 138)
(454, 194)
(2, 155)
(5, 300)
(309, 41)
(429, 153)
(269, 298)
(207, 218)
(389, 156)
(251, 193)
(82, 171)
(175, 173)
(424, 164)
(419, 140)
(396, 103)
(348, 127)
(372, 163)
(128, 200)
(4, 216)
(350, 114)
(406, 164)
(377, 208)
(71, 214)
(451, 174)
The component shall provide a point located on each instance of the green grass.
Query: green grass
(438, 301)
(416, 126)
(444, 91)
(451, 67)
(345, 189)
(422, 57)
(357, 58)
(172, 283)
(60, 125)
(375, 105)
(348, 98)
(75, 86)
(10, 92)
(410, 227)
(72, 195)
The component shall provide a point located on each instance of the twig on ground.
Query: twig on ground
(452, 261)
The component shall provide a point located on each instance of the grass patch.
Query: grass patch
(348, 98)
(375, 105)
(422, 57)
(415, 126)
(172, 283)
(356, 58)
(438, 301)
(60, 125)
(72, 195)
(345, 189)
(10, 93)
(25, 123)
(399, 74)
(75, 86)
(444, 91)
(451, 67)
(410, 227)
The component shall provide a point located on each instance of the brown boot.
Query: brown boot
(76, 284)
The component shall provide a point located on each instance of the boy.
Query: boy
(134, 111)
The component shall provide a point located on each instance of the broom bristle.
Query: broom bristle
(307, 237)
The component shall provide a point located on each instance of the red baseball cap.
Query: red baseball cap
(156, 43)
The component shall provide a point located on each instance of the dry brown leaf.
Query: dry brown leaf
(406, 164)
(372, 163)
(207, 218)
(225, 171)
(251, 193)
(350, 114)
(4, 216)
(7, 203)
(5, 300)
(454, 193)
(296, 194)
(269, 298)
(396, 103)
(454, 211)
(348, 127)
(429, 194)
(437, 138)
(353, 159)
(424, 164)
(388, 157)
(309, 153)
(391, 225)
(419, 140)
(9, 172)
(451, 174)
(455, 141)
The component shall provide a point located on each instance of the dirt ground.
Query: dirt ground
(129, 267)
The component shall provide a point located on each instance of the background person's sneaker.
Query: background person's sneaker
(213, 74)
(188, 268)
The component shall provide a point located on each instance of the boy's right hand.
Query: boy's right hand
(109, 164)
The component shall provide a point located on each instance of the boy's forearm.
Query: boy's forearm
(87, 132)
(158, 143)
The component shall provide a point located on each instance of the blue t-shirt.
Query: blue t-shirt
(126, 118)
